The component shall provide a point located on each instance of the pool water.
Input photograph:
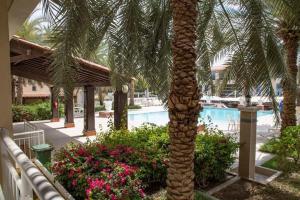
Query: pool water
(218, 116)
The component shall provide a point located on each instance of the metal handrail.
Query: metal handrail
(39, 183)
(30, 125)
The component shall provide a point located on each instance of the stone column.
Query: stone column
(5, 74)
(89, 110)
(54, 106)
(120, 110)
(69, 113)
(247, 142)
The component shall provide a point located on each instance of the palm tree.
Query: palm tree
(30, 31)
(19, 86)
(287, 13)
(183, 101)
(131, 91)
(255, 60)
(139, 34)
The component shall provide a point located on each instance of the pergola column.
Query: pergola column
(89, 110)
(120, 110)
(5, 74)
(54, 106)
(247, 142)
(69, 113)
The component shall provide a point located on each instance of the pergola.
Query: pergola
(32, 61)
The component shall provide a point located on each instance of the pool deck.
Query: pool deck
(58, 136)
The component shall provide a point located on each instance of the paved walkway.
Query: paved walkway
(58, 136)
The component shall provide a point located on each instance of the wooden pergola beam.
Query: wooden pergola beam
(20, 58)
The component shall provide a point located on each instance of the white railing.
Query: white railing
(29, 126)
(19, 184)
(30, 137)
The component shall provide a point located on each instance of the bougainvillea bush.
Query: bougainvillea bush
(122, 164)
(93, 171)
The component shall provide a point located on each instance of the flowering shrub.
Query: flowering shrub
(119, 165)
(92, 171)
(150, 144)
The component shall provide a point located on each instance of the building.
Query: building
(229, 91)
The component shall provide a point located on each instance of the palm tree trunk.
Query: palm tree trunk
(13, 89)
(183, 102)
(289, 86)
(131, 93)
(20, 91)
(100, 96)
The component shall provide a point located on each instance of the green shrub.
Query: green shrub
(134, 107)
(31, 112)
(270, 146)
(289, 144)
(214, 154)
(100, 108)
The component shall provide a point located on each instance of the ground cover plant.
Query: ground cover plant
(144, 152)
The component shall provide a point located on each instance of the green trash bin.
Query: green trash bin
(43, 152)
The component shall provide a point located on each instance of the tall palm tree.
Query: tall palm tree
(183, 101)
(131, 91)
(287, 13)
(139, 34)
(30, 30)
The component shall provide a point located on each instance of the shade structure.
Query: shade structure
(32, 61)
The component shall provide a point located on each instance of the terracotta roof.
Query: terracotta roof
(32, 61)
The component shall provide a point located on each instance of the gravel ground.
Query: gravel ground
(285, 187)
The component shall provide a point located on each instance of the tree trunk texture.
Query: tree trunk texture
(20, 91)
(100, 96)
(120, 110)
(289, 86)
(131, 93)
(183, 102)
(13, 89)
(298, 96)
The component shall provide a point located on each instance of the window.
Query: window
(34, 88)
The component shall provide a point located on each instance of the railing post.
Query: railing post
(26, 190)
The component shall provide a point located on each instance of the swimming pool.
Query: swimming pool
(219, 116)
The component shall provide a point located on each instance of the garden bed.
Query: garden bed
(287, 187)
(134, 163)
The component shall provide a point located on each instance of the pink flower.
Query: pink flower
(107, 188)
(102, 147)
(96, 184)
(114, 153)
(123, 180)
(88, 192)
(82, 151)
(89, 159)
(74, 182)
(113, 197)
(142, 193)
(71, 173)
